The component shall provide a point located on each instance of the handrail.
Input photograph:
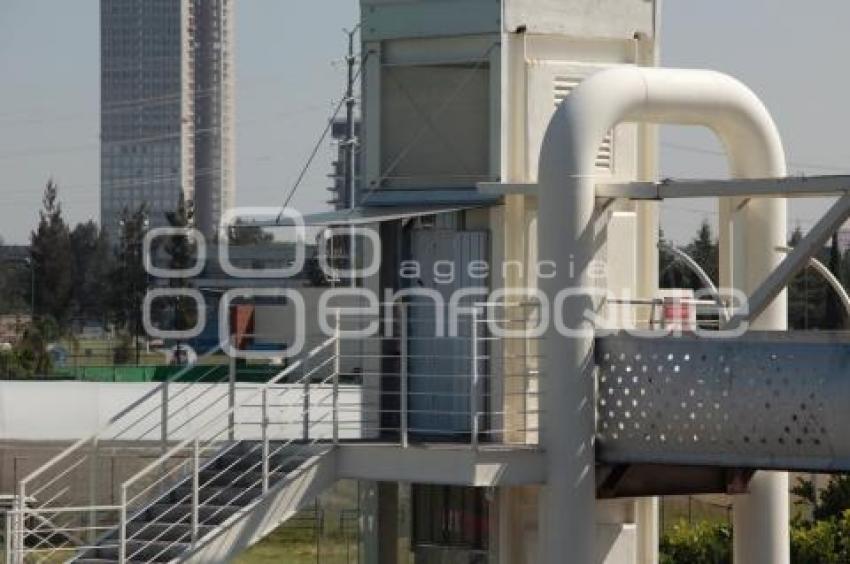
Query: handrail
(258, 391)
(114, 419)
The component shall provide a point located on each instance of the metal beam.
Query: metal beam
(791, 186)
(795, 261)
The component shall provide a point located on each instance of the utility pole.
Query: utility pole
(350, 142)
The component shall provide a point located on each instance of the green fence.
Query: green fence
(160, 373)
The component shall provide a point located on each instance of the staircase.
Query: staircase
(230, 487)
(217, 485)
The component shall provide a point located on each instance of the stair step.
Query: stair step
(157, 531)
(237, 478)
(182, 513)
(145, 551)
(96, 560)
(216, 495)
(253, 462)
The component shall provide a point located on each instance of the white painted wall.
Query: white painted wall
(57, 411)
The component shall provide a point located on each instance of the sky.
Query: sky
(289, 74)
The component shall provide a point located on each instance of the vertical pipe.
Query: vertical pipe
(473, 384)
(196, 467)
(335, 401)
(122, 531)
(404, 374)
(265, 432)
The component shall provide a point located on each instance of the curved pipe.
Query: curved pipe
(708, 284)
(830, 278)
(566, 179)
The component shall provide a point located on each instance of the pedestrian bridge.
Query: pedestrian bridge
(674, 415)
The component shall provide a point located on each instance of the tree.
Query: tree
(703, 542)
(704, 250)
(128, 279)
(181, 250)
(240, 234)
(52, 259)
(15, 277)
(670, 273)
(806, 294)
(93, 262)
(833, 316)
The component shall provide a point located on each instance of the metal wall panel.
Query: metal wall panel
(440, 368)
(765, 401)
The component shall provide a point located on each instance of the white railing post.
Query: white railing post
(7, 539)
(335, 401)
(20, 523)
(231, 395)
(473, 384)
(265, 433)
(122, 528)
(196, 486)
(305, 404)
(163, 414)
(93, 489)
(403, 399)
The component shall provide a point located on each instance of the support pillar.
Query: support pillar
(566, 183)
(387, 523)
(761, 518)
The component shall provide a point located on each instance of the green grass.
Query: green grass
(301, 548)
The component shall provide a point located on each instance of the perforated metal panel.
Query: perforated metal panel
(778, 400)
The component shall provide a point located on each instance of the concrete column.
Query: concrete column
(761, 517)
(387, 523)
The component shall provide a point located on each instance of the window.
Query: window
(451, 516)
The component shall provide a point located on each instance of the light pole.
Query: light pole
(31, 264)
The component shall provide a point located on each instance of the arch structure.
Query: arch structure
(751, 233)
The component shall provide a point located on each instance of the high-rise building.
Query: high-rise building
(166, 108)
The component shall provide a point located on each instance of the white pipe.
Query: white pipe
(705, 279)
(830, 278)
(566, 235)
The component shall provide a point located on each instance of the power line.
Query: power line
(718, 153)
(150, 139)
(318, 145)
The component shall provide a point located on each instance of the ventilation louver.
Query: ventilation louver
(563, 86)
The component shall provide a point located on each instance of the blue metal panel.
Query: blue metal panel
(429, 197)
(440, 368)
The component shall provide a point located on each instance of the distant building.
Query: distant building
(12, 327)
(166, 108)
(14, 253)
(340, 198)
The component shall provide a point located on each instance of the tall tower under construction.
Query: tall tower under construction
(166, 109)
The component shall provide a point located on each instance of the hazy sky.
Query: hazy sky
(288, 56)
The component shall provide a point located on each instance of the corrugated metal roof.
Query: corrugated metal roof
(360, 216)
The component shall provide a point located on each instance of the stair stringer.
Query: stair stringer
(255, 521)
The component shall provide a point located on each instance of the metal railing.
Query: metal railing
(411, 373)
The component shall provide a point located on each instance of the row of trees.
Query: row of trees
(78, 274)
(820, 530)
(812, 303)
